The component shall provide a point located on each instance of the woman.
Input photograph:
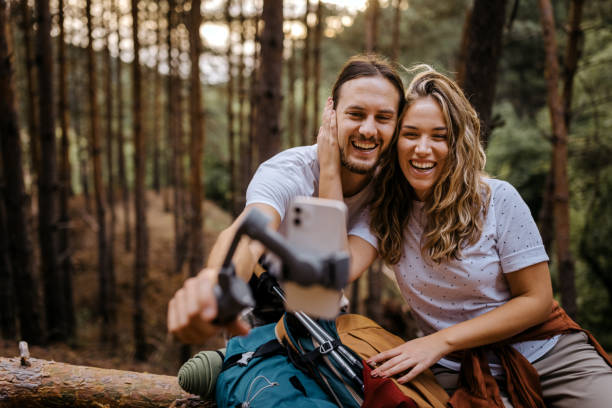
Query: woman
(469, 260)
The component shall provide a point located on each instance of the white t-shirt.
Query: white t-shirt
(295, 172)
(441, 295)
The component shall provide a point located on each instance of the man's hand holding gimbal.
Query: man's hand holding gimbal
(194, 307)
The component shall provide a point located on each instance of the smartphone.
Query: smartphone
(316, 225)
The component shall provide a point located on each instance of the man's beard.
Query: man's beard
(358, 168)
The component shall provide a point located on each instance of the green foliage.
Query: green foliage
(519, 154)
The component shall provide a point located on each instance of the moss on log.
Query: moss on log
(48, 383)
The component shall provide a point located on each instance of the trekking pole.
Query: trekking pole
(322, 337)
(317, 331)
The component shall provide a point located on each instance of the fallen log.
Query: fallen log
(45, 383)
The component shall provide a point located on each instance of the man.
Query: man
(367, 97)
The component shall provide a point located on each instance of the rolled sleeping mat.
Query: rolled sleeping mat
(199, 374)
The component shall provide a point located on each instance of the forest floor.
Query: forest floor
(161, 284)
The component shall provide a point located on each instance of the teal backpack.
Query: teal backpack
(257, 372)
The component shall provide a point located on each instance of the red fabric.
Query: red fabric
(478, 388)
(383, 393)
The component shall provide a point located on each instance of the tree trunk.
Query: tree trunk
(76, 96)
(32, 100)
(141, 255)
(125, 193)
(252, 151)
(565, 261)
(16, 203)
(196, 235)
(267, 134)
(65, 179)
(111, 335)
(395, 32)
(371, 27)
(573, 52)
(356, 297)
(477, 72)
(8, 317)
(306, 79)
(292, 137)
(157, 109)
(104, 291)
(374, 307)
(572, 55)
(231, 137)
(48, 181)
(316, 51)
(175, 133)
(48, 383)
(243, 137)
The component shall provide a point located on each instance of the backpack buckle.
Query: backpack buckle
(326, 347)
(245, 358)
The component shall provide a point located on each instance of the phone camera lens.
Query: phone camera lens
(298, 210)
(297, 221)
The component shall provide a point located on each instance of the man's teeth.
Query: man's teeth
(364, 145)
(422, 166)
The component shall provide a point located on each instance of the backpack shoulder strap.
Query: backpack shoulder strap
(269, 348)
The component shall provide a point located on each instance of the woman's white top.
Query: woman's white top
(441, 295)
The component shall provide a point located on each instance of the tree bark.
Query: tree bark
(104, 291)
(64, 178)
(371, 27)
(76, 96)
(565, 262)
(157, 111)
(47, 180)
(141, 255)
(8, 317)
(267, 134)
(32, 100)
(374, 307)
(572, 55)
(125, 193)
(243, 138)
(479, 58)
(111, 335)
(48, 383)
(16, 203)
(573, 51)
(196, 235)
(292, 136)
(395, 32)
(175, 133)
(231, 136)
(316, 51)
(253, 152)
(306, 79)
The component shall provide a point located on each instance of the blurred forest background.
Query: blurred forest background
(130, 129)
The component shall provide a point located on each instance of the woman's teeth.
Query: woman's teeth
(361, 145)
(422, 165)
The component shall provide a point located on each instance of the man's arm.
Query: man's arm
(362, 255)
(194, 306)
(248, 251)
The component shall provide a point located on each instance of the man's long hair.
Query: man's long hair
(456, 205)
(368, 65)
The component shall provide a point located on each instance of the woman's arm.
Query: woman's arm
(328, 151)
(530, 304)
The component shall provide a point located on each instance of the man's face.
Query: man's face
(366, 115)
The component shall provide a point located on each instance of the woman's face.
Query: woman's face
(422, 146)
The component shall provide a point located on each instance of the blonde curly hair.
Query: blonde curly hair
(457, 204)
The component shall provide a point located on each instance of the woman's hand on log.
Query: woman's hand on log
(194, 307)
